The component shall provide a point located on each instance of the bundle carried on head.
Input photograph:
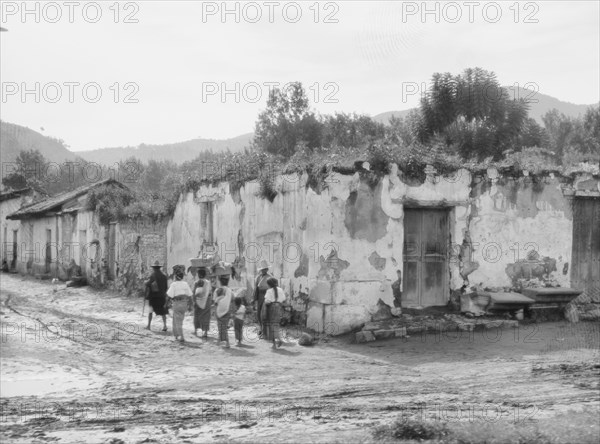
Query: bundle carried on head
(205, 261)
(224, 269)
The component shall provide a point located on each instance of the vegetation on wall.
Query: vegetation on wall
(109, 202)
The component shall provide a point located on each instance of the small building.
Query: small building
(59, 233)
(61, 236)
(11, 201)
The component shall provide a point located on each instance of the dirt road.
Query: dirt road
(78, 366)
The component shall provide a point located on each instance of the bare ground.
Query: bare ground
(78, 366)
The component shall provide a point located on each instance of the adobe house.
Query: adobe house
(11, 201)
(336, 250)
(58, 230)
(56, 236)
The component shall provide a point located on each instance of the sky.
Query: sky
(107, 74)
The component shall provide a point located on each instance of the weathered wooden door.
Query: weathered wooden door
(425, 277)
(13, 264)
(48, 250)
(585, 265)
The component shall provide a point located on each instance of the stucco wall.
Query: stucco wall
(7, 226)
(513, 218)
(336, 253)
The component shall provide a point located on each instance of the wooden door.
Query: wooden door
(48, 250)
(585, 264)
(13, 264)
(425, 280)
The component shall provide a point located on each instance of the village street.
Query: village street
(78, 366)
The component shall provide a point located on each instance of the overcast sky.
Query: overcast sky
(358, 57)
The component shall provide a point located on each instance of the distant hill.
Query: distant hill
(16, 138)
(178, 152)
(540, 104)
(385, 117)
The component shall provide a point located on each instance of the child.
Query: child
(238, 320)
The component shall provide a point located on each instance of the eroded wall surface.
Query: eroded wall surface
(520, 228)
(336, 252)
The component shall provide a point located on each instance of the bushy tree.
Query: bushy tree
(473, 113)
(286, 122)
(573, 135)
(30, 169)
(351, 130)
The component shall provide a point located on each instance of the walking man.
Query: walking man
(156, 291)
(260, 288)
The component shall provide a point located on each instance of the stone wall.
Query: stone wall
(138, 244)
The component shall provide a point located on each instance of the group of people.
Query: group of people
(210, 293)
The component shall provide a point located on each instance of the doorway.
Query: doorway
(48, 250)
(585, 265)
(425, 276)
(13, 264)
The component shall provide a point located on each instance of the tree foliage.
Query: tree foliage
(473, 113)
(286, 122)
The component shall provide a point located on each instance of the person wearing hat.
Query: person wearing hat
(202, 299)
(156, 288)
(260, 288)
(180, 294)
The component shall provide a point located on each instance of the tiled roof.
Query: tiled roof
(14, 194)
(52, 203)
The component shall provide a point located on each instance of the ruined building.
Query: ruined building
(337, 247)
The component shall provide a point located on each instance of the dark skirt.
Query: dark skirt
(223, 324)
(202, 317)
(157, 303)
(273, 320)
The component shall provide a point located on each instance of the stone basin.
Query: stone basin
(508, 301)
(552, 295)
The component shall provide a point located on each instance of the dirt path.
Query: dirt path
(78, 366)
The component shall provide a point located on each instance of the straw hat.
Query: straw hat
(263, 265)
(156, 265)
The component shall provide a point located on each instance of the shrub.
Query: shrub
(109, 202)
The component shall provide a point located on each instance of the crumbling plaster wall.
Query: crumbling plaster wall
(513, 217)
(336, 252)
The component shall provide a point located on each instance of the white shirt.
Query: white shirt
(179, 288)
(224, 301)
(270, 295)
(202, 294)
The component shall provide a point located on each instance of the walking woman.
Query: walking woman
(180, 295)
(202, 303)
(273, 299)
(223, 299)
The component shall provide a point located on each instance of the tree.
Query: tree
(351, 130)
(402, 131)
(533, 134)
(30, 171)
(573, 135)
(286, 122)
(472, 113)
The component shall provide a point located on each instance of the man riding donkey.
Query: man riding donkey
(260, 289)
